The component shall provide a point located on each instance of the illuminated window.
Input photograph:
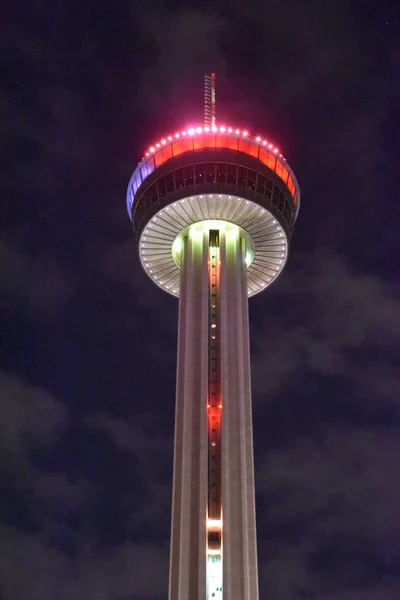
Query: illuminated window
(161, 186)
(210, 172)
(152, 193)
(204, 141)
(167, 152)
(242, 176)
(189, 177)
(254, 149)
(231, 176)
(159, 159)
(248, 147)
(268, 159)
(251, 180)
(150, 165)
(221, 172)
(169, 183)
(177, 148)
(179, 179)
(285, 174)
(199, 173)
(225, 142)
(143, 171)
(268, 189)
(278, 169)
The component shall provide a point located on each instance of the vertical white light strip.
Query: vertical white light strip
(214, 577)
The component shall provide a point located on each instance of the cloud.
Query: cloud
(49, 542)
(151, 452)
(31, 568)
(180, 56)
(330, 516)
(328, 320)
(32, 283)
(28, 416)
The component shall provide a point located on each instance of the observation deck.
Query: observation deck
(205, 174)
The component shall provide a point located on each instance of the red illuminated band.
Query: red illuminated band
(201, 138)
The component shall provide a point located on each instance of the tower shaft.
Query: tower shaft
(213, 540)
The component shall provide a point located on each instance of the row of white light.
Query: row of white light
(191, 131)
(175, 291)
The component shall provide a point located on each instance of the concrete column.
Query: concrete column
(239, 549)
(189, 502)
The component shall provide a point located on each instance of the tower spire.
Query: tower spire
(209, 99)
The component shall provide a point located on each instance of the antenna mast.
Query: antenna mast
(209, 100)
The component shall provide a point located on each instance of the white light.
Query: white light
(274, 221)
(163, 141)
(275, 150)
(222, 129)
(214, 129)
(191, 131)
(144, 237)
(158, 145)
(155, 276)
(214, 522)
(152, 149)
(177, 135)
(265, 142)
(169, 138)
(199, 129)
(150, 271)
(237, 131)
(207, 129)
(258, 139)
(183, 132)
(245, 133)
(270, 146)
(229, 129)
(175, 291)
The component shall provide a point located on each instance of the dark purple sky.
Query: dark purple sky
(88, 345)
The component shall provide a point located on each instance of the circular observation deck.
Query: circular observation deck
(213, 175)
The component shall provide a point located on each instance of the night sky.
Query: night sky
(89, 343)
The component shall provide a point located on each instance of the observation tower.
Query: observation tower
(213, 210)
